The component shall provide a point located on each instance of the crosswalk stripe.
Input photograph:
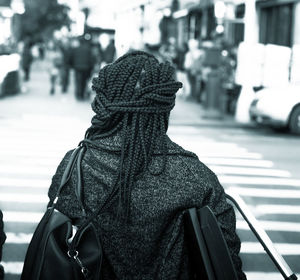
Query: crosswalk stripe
(32, 198)
(25, 169)
(258, 192)
(271, 225)
(264, 209)
(237, 161)
(32, 154)
(31, 161)
(25, 182)
(257, 275)
(13, 267)
(22, 217)
(250, 171)
(282, 248)
(229, 154)
(246, 180)
(18, 238)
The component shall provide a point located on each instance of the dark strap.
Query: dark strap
(79, 183)
(78, 191)
(67, 174)
(75, 161)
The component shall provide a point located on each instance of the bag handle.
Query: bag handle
(78, 192)
(67, 174)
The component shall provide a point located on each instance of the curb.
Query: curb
(211, 124)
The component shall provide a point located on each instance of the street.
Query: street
(261, 165)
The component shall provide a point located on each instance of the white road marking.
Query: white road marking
(267, 193)
(237, 162)
(257, 275)
(13, 267)
(246, 180)
(18, 238)
(271, 225)
(32, 198)
(42, 153)
(229, 154)
(24, 182)
(31, 161)
(249, 171)
(22, 217)
(27, 169)
(282, 248)
(277, 209)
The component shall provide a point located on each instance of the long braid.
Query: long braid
(134, 95)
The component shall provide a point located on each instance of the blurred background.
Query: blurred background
(239, 108)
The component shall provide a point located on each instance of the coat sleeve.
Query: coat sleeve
(225, 215)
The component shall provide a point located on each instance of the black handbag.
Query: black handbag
(59, 249)
(208, 252)
(207, 248)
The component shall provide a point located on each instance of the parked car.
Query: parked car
(9, 74)
(277, 107)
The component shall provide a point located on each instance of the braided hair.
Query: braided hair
(134, 95)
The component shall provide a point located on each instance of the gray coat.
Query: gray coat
(151, 246)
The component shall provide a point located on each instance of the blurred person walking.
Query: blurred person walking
(27, 59)
(181, 71)
(109, 53)
(193, 64)
(55, 64)
(41, 49)
(136, 179)
(82, 60)
(65, 50)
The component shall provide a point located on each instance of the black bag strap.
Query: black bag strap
(78, 191)
(79, 183)
(66, 175)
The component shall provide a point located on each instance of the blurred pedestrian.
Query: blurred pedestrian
(168, 51)
(181, 71)
(82, 60)
(2, 240)
(193, 64)
(55, 64)
(109, 52)
(27, 59)
(143, 180)
(65, 50)
(41, 49)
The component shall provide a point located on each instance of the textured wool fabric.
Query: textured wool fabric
(151, 244)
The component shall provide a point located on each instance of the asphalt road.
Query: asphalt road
(262, 166)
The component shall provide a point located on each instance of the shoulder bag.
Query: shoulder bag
(59, 249)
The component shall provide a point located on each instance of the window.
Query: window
(275, 24)
(239, 28)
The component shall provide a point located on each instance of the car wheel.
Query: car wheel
(294, 123)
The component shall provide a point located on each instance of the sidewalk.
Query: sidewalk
(36, 99)
(192, 113)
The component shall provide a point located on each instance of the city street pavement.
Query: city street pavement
(263, 167)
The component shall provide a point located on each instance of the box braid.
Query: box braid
(134, 95)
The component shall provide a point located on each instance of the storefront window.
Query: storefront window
(276, 24)
(239, 28)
